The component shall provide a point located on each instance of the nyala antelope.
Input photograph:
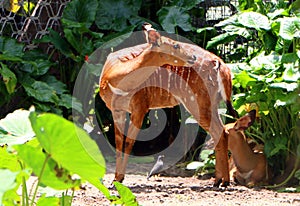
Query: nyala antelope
(164, 73)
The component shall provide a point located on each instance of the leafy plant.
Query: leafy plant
(206, 165)
(26, 79)
(268, 78)
(60, 154)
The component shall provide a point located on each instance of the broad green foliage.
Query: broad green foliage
(268, 77)
(172, 17)
(16, 128)
(26, 74)
(60, 154)
(126, 196)
(118, 15)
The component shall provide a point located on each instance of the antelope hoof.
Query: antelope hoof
(217, 183)
(119, 178)
(225, 184)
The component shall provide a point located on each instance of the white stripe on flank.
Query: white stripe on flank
(221, 88)
(117, 91)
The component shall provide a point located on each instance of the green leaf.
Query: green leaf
(9, 78)
(232, 20)
(278, 12)
(243, 78)
(59, 43)
(80, 13)
(195, 165)
(115, 39)
(254, 20)
(289, 28)
(221, 39)
(70, 147)
(68, 101)
(171, 17)
(126, 196)
(39, 90)
(269, 62)
(10, 47)
(186, 4)
(115, 14)
(8, 182)
(284, 85)
(18, 128)
(291, 73)
(48, 201)
(53, 175)
(9, 160)
(37, 67)
(55, 84)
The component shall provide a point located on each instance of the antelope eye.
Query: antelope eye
(176, 46)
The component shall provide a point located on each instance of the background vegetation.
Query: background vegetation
(263, 38)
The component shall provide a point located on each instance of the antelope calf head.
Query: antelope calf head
(250, 168)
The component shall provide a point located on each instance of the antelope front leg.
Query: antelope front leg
(134, 128)
(119, 124)
(222, 167)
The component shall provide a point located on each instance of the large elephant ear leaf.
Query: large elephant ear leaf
(254, 20)
(71, 147)
(171, 17)
(115, 14)
(15, 128)
(80, 13)
(289, 28)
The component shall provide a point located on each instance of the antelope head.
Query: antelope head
(166, 50)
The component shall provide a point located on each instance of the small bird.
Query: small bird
(157, 166)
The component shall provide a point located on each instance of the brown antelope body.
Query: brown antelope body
(146, 82)
(250, 168)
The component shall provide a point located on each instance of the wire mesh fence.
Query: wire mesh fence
(30, 20)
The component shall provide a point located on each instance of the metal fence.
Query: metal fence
(32, 19)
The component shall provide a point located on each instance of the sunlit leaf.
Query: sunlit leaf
(243, 78)
(126, 196)
(48, 201)
(195, 165)
(289, 28)
(53, 175)
(221, 39)
(18, 128)
(266, 61)
(9, 160)
(70, 147)
(291, 73)
(254, 20)
(8, 182)
(284, 85)
(278, 12)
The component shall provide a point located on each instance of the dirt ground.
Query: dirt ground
(192, 191)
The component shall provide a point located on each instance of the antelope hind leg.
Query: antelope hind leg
(222, 167)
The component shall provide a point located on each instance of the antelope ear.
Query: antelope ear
(246, 121)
